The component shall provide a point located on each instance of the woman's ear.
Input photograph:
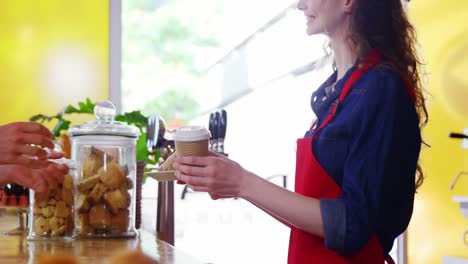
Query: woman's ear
(348, 6)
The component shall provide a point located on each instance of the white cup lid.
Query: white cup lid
(191, 133)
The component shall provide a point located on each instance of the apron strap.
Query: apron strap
(371, 60)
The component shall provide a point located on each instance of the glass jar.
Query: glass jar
(51, 213)
(105, 154)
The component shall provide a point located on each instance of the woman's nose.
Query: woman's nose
(301, 5)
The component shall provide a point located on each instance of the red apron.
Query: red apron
(313, 181)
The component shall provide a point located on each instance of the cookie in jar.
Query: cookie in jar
(51, 213)
(103, 198)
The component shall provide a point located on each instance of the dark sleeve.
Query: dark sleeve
(352, 219)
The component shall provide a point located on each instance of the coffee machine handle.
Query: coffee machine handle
(454, 181)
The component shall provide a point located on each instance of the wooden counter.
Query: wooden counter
(16, 249)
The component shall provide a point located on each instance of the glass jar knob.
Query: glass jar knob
(104, 111)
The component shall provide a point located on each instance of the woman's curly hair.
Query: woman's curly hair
(384, 25)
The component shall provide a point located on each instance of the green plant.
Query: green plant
(135, 118)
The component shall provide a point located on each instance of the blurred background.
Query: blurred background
(183, 59)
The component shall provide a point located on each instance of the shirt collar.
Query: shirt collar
(320, 107)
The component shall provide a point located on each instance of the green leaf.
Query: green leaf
(83, 107)
(36, 118)
(42, 118)
(61, 125)
(86, 107)
(90, 104)
(135, 118)
(121, 118)
(70, 109)
(142, 150)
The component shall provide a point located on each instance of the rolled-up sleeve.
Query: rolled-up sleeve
(333, 216)
(351, 220)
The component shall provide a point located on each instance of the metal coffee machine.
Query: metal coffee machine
(463, 200)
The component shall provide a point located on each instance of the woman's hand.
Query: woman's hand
(40, 180)
(215, 174)
(16, 140)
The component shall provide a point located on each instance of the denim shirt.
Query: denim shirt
(370, 149)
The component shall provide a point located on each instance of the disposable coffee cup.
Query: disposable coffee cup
(191, 141)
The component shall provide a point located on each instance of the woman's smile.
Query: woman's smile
(310, 18)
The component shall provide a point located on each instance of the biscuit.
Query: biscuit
(167, 164)
(111, 175)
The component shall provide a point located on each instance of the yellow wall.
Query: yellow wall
(437, 224)
(52, 53)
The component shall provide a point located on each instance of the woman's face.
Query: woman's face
(324, 16)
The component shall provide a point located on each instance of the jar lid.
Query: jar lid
(104, 124)
(191, 133)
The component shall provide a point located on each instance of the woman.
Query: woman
(25, 164)
(356, 167)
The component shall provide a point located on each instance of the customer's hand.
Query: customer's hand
(215, 174)
(22, 143)
(40, 179)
